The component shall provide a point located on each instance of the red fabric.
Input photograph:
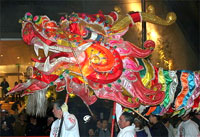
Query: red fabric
(113, 15)
(135, 16)
(170, 110)
(116, 96)
(146, 96)
(82, 15)
(74, 28)
(76, 80)
(60, 86)
(92, 17)
(196, 102)
(155, 81)
(28, 33)
(104, 78)
(48, 42)
(43, 77)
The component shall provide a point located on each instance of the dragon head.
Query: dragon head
(89, 57)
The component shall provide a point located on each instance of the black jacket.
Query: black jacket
(159, 130)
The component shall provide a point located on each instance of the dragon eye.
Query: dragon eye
(88, 34)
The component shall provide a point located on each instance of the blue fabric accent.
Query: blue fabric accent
(191, 87)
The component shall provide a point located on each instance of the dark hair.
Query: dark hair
(129, 117)
(165, 120)
(141, 124)
(59, 103)
(104, 120)
(157, 117)
(99, 120)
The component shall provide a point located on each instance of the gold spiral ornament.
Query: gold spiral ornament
(171, 17)
(117, 9)
(151, 9)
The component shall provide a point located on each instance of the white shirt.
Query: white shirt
(69, 126)
(128, 131)
(147, 131)
(188, 129)
(170, 131)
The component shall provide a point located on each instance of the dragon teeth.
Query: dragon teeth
(36, 50)
(46, 50)
(47, 65)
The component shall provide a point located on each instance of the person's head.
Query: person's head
(104, 124)
(50, 120)
(99, 124)
(166, 122)
(57, 111)
(154, 119)
(16, 83)
(185, 117)
(126, 119)
(91, 132)
(21, 117)
(197, 115)
(138, 123)
(33, 120)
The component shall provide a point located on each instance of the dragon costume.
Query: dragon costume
(90, 59)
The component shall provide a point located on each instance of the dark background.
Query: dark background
(11, 11)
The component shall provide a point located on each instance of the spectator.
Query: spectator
(188, 128)
(141, 130)
(20, 125)
(16, 83)
(169, 127)
(32, 128)
(20, 81)
(17, 97)
(4, 84)
(6, 129)
(116, 130)
(125, 122)
(15, 106)
(158, 129)
(6, 125)
(47, 127)
(99, 126)
(91, 132)
(104, 131)
(196, 118)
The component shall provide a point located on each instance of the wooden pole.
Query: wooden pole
(144, 33)
(113, 119)
(67, 97)
(140, 115)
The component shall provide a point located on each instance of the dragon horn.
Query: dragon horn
(170, 19)
(114, 15)
(134, 17)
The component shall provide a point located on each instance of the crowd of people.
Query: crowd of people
(134, 126)
(24, 125)
(62, 123)
(127, 125)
